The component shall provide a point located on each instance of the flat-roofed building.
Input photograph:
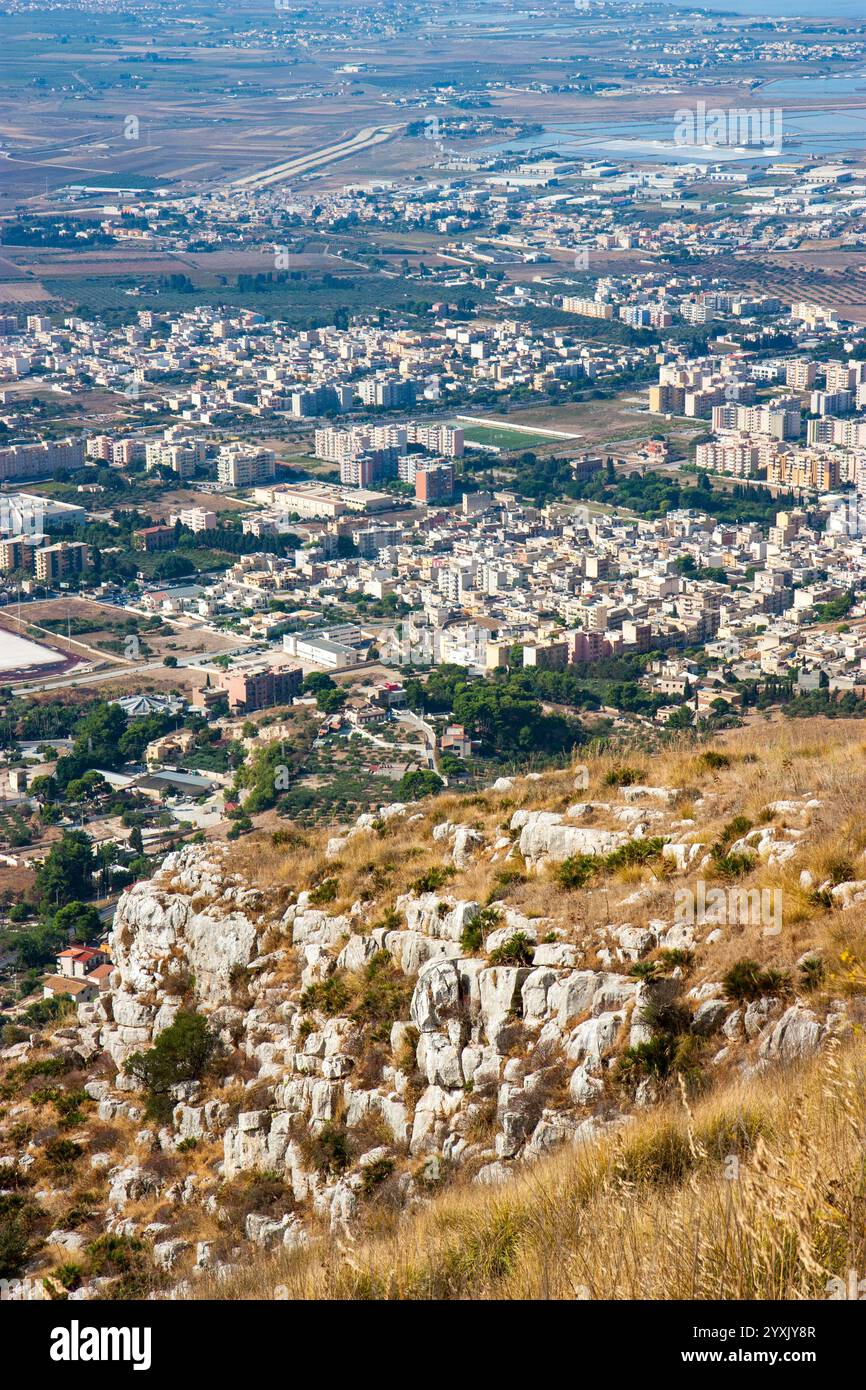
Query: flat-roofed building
(252, 690)
(52, 562)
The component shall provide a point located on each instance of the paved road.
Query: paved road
(408, 717)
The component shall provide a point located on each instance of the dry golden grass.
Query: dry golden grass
(758, 1192)
(767, 762)
(648, 1214)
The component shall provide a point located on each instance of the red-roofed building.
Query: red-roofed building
(76, 962)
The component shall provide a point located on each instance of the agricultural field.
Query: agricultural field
(300, 303)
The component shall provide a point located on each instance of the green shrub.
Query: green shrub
(731, 865)
(823, 898)
(579, 869)
(70, 1107)
(256, 1190)
(840, 870)
(375, 1173)
(668, 1016)
(812, 973)
(623, 777)
(384, 995)
(433, 879)
(16, 1179)
(662, 1056)
(747, 980)
(68, 1276)
(404, 1057)
(329, 996)
(576, 870)
(26, 1071)
(672, 956)
(62, 1155)
(471, 938)
(183, 1052)
(390, 920)
(652, 1058)
(645, 969)
(634, 852)
(735, 830)
(713, 761)
(17, 1218)
(377, 997)
(329, 1150)
(113, 1254)
(504, 879)
(667, 959)
(517, 950)
(324, 892)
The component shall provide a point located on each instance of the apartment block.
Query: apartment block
(53, 562)
(779, 421)
(40, 460)
(587, 308)
(194, 519)
(16, 553)
(240, 466)
(800, 375)
(434, 482)
(253, 690)
(389, 393)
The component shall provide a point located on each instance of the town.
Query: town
(432, 493)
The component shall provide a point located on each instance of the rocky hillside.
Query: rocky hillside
(308, 1038)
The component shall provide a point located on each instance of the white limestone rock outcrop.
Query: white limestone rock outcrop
(546, 836)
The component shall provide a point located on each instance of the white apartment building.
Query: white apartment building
(241, 466)
(194, 519)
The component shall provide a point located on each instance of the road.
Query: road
(407, 717)
(137, 667)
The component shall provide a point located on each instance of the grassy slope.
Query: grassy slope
(654, 1210)
(756, 1190)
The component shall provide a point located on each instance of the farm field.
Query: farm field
(301, 304)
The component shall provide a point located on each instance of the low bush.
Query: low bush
(325, 892)
(517, 950)
(623, 777)
(579, 869)
(329, 1150)
(747, 980)
(433, 879)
